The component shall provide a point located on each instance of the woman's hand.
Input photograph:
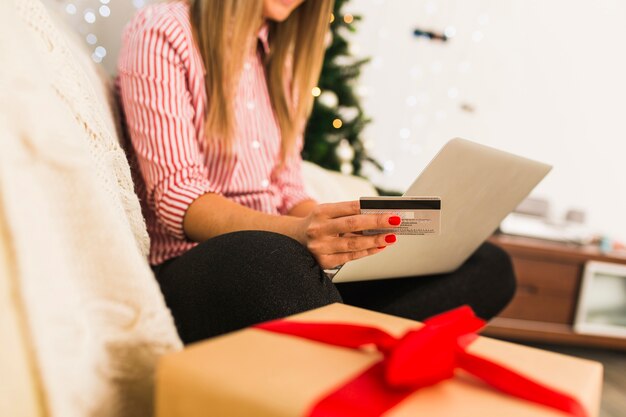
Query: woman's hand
(331, 233)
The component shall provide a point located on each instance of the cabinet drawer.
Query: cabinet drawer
(538, 307)
(550, 278)
(546, 291)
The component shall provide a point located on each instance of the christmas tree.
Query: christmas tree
(332, 137)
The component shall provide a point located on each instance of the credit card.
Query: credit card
(420, 215)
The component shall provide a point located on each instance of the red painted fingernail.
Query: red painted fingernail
(395, 220)
(390, 238)
(382, 247)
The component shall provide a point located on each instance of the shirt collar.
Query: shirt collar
(263, 37)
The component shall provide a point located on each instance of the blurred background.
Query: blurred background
(544, 79)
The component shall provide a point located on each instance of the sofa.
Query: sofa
(82, 321)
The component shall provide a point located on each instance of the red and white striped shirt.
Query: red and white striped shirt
(161, 82)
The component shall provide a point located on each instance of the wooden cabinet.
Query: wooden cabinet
(548, 284)
(547, 290)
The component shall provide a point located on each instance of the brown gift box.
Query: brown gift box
(256, 373)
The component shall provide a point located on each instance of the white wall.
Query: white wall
(547, 79)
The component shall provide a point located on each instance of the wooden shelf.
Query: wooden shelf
(536, 331)
(549, 275)
(545, 249)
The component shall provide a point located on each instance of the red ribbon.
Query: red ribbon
(420, 358)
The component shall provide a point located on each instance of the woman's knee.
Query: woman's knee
(242, 278)
(280, 277)
(285, 267)
(494, 270)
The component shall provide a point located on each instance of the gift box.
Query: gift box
(295, 367)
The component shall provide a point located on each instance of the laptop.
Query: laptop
(479, 186)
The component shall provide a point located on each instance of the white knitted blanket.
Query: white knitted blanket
(93, 309)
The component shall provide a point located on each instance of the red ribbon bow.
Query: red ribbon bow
(422, 357)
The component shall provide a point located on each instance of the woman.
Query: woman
(214, 94)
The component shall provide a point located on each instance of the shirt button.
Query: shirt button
(265, 183)
(256, 144)
(250, 105)
(247, 66)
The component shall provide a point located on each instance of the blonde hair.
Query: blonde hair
(225, 32)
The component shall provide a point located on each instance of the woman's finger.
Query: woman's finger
(356, 243)
(335, 210)
(331, 261)
(358, 223)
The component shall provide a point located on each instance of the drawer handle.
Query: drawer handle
(528, 289)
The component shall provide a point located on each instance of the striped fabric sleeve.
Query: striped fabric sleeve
(291, 183)
(159, 115)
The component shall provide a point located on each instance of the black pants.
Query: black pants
(239, 279)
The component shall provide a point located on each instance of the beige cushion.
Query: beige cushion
(91, 312)
(87, 92)
(99, 80)
(20, 391)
